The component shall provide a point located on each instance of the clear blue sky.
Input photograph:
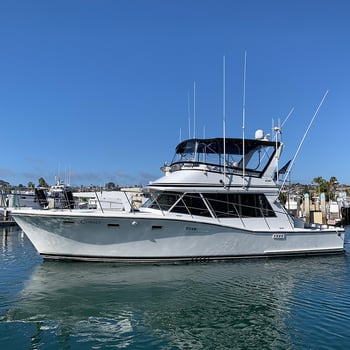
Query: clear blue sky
(99, 89)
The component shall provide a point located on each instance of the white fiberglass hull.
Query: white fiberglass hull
(142, 237)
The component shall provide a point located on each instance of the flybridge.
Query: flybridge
(252, 155)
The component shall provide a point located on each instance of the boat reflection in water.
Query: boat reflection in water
(197, 306)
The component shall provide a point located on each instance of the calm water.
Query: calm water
(299, 303)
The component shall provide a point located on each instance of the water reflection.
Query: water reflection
(6, 242)
(228, 305)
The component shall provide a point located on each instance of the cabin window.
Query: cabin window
(191, 203)
(219, 202)
(188, 203)
(223, 205)
(239, 205)
(164, 201)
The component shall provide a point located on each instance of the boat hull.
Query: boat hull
(138, 238)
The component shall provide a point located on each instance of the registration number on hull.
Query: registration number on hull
(279, 236)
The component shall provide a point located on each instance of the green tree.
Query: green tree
(326, 187)
(110, 186)
(30, 184)
(333, 182)
(322, 185)
(42, 182)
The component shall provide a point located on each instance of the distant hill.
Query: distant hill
(4, 183)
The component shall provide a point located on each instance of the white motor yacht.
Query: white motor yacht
(216, 200)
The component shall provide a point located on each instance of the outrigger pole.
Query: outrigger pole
(302, 140)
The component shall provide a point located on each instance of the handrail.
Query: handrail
(218, 168)
(99, 202)
(132, 209)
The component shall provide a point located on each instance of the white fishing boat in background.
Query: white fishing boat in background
(61, 196)
(21, 199)
(217, 200)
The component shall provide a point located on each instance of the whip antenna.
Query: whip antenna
(302, 140)
(224, 112)
(189, 115)
(194, 109)
(243, 114)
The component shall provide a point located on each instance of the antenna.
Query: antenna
(224, 112)
(189, 115)
(278, 133)
(194, 109)
(243, 113)
(287, 117)
(302, 140)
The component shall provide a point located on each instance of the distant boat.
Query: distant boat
(216, 200)
(21, 199)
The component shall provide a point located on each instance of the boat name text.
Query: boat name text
(90, 221)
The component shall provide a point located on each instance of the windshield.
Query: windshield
(256, 154)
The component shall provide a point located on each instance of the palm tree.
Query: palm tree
(333, 182)
(42, 182)
(321, 184)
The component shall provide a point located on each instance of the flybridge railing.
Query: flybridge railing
(229, 169)
(252, 156)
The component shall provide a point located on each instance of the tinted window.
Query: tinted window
(221, 204)
(164, 201)
(239, 205)
(194, 203)
(190, 203)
